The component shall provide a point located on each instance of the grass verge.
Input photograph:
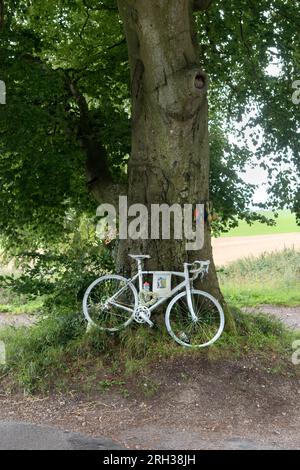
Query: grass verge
(273, 278)
(57, 354)
(18, 304)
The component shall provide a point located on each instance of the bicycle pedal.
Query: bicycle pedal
(184, 337)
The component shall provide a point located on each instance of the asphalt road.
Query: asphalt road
(22, 436)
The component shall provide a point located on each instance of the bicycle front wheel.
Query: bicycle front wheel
(202, 331)
(109, 303)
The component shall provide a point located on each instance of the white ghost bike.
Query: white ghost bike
(194, 318)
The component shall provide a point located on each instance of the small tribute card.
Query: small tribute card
(162, 283)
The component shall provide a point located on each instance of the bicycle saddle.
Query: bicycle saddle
(140, 256)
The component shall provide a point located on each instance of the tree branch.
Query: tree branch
(102, 6)
(123, 41)
(96, 162)
(1, 15)
(85, 23)
(99, 179)
(201, 5)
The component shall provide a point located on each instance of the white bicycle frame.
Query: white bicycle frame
(186, 284)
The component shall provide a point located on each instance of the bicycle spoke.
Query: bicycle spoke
(102, 312)
(188, 331)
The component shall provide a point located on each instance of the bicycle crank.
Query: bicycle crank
(142, 314)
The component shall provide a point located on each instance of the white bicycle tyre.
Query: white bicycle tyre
(215, 302)
(89, 290)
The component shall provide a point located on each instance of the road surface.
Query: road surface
(22, 436)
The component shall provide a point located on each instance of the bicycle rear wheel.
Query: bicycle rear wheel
(109, 303)
(195, 334)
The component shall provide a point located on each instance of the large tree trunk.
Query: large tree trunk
(170, 149)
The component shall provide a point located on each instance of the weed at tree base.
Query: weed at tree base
(58, 353)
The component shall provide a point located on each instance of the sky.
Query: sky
(257, 175)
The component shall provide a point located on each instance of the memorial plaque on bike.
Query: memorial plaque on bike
(162, 283)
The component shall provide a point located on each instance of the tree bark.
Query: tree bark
(170, 148)
(99, 179)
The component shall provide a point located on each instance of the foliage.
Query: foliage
(55, 281)
(52, 53)
(43, 161)
(273, 278)
(250, 50)
(62, 272)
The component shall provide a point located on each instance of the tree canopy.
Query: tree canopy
(65, 129)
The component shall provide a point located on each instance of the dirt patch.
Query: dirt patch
(229, 249)
(7, 319)
(199, 405)
(288, 315)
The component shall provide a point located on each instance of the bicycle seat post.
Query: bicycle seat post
(140, 269)
(139, 259)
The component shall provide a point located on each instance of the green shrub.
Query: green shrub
(272, 278)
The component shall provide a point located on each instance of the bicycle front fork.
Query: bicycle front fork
(189, 294)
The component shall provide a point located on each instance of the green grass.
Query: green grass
(17, 304)
(58, 355)
(29, 307)
(272, 278)
(286, 223)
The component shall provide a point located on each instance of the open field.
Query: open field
(229, 249)
(286, 223)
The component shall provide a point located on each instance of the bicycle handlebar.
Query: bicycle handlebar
(198, 267)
